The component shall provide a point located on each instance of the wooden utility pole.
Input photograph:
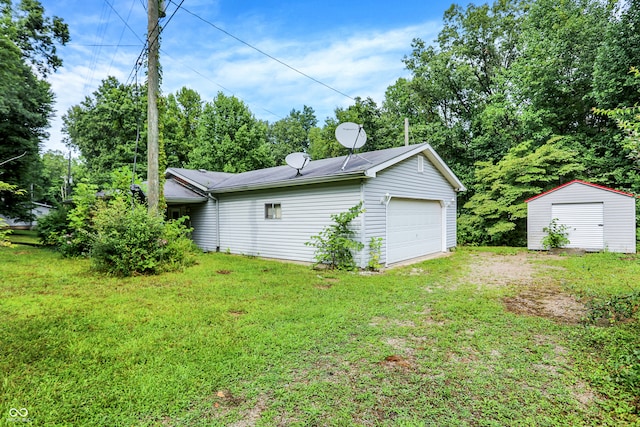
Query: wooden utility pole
(153, 87)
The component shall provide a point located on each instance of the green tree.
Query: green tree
(364, 112)
(230, 138)
(104, 128)
(402, 101)
(496, 213)
(54, 183)
(613, 85)
(291, 134)
(322, 141)
(27, 54)
(179, 118)
(628, 120)
(553, 73)
(456, 79)
(25, 106)
(33, 33)
(554, 83)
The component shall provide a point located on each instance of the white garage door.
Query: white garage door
(414, 228)
(585, 222)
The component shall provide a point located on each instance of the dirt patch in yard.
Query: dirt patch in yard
(494, 270)
(539, 296)
(547, 302)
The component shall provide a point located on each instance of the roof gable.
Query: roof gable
(579, 182)
(430, 154)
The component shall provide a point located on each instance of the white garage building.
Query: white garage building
(598, 218)
(409, 195)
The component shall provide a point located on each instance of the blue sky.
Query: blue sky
(353, 46)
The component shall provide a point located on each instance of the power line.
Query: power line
(101, 31)
(215, 83)
(263, 52)
(133, 75)
(146, 43)
(137, 64)
(102, 45)
(171, 17)
(121, 35)
(125, 22)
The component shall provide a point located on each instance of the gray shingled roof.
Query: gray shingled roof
(178, 193)
(315, 171)
(200, 177)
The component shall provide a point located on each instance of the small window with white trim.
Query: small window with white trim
(420, 164)
(272, 211)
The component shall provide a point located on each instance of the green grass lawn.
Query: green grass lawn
(29, 237)
(255, 342)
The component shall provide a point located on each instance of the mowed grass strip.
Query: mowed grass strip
(24, 237)
(254, 342)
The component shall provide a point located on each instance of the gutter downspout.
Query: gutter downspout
(385, 201)
(363, 227)
(217, 221)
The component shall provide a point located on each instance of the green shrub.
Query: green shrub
(4, 233)
(620, 341)
(617, 308)
(556, 235)
(53, 225)
(70, 229)
(4, 227)
(375, 253)
(80, 217)
(131, 241)
(334, 244)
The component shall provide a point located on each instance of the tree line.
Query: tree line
(505, 94)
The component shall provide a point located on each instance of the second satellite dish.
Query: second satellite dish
(351, 135)
(297, 160)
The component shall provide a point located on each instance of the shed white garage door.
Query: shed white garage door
(414, 228)
(585, 222)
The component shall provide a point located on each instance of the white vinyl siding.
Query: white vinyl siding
(203, 220)
(403, 181)
(306, 210)
(619, 221)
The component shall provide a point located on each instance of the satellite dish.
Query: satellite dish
(351, 135)
(297, 160)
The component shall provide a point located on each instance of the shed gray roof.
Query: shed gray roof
(360, 165)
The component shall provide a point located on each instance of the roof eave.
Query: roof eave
(185, 200)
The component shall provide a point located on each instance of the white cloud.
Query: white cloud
(360, 63)
(364, 65)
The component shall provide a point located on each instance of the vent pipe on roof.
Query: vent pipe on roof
(406, 131)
